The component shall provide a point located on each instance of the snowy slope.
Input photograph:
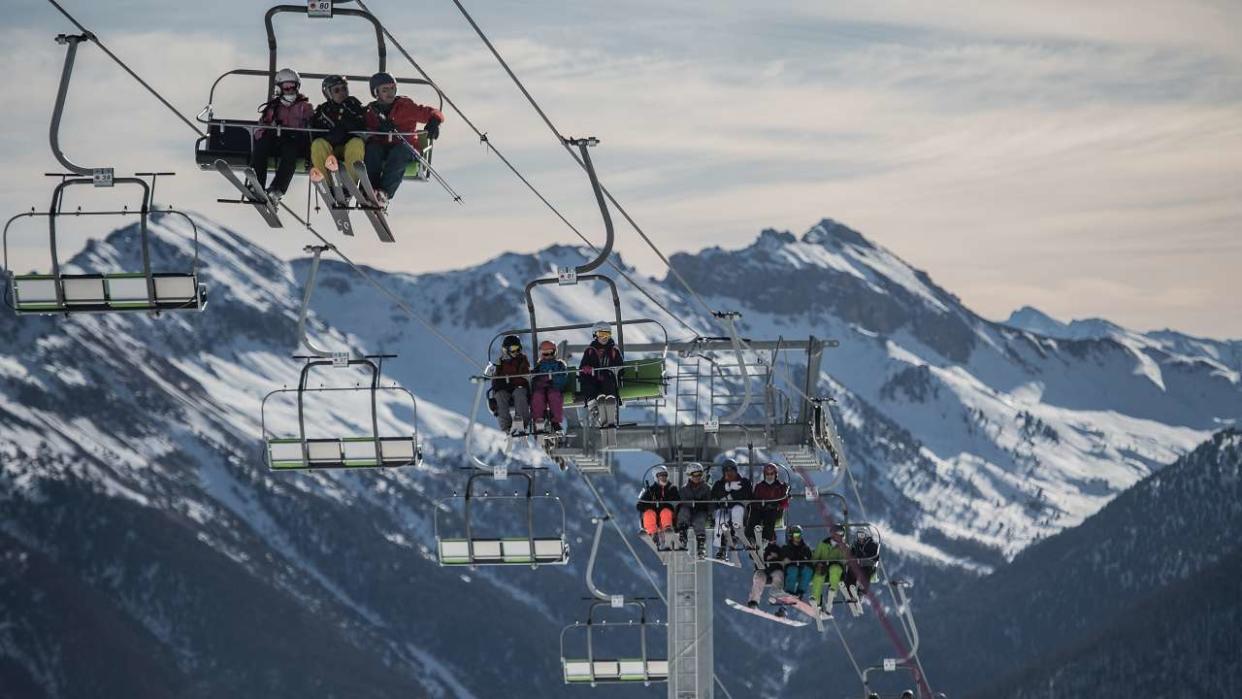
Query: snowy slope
(1018, 435)
(970, 440)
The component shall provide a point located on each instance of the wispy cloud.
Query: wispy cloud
(1005, 148)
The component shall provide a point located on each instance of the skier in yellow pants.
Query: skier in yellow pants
(340, 115)
(830, 561)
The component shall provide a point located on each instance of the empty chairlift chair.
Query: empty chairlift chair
(584, 666)
(139, 288)
(528, 544)
(136, 288)
(288, 450)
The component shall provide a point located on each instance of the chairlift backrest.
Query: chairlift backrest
(530, 548)
(374, 450)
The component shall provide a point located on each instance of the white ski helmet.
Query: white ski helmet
(288, 75)
(602, 326)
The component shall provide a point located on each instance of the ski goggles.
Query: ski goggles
(549, 353)
(339, 88)
(606, 333)
(662, 476)
(696, 474)
(288, 87)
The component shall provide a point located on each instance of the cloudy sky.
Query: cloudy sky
(1084, 158)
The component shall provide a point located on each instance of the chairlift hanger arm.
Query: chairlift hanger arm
(302, 9)
(584, 145)
(71, 42)
(590, 568)
(616, 306)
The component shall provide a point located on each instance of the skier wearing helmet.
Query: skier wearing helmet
(599, 366)
(510, 388)
(288, 107)
(340, 115)
(695, 505)
(656, 508)
(772, 498)
(798, 568)
(865, 551)
(731, 494)
(830, 558)
(387, 156)
(547, 390)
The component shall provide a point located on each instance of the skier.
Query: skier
(510, 394)
(773, 573)
(731, 493)
(657, 515)
(798, 568)
(599, 385)
(287, 108)
(388, 156)
(547, 390)
(830, 563)
(865, 551)
(773, 499)
(341, 114)
(695, 505)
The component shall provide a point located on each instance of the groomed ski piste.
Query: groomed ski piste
(716, 394)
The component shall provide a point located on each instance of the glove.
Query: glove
(433, 128)
(589, 371)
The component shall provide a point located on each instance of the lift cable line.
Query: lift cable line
(491, 146)
(569, 149)
(400, 302)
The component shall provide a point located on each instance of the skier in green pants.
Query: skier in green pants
(830, 561)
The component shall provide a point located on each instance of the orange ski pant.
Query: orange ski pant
(665, 519)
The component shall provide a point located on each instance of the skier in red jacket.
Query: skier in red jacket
(388, 156)
(774, 497)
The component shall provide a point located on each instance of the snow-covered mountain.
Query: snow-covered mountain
(1142, 599)
(1010, 435)
(133, 477)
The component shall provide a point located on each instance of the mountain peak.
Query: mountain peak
(828, 231)
(1036, 321)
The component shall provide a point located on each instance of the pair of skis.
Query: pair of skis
(338, 187)
(335, 190)
(766, 615)
(252, 193)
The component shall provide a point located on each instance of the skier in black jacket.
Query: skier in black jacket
(798, 567)
(598, 383)
(695, 507)
(341, 114)
(731, 493)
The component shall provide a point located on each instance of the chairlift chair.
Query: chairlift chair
(231, 139)
(122, 290)
(587, 668)
(334, 451)
(300, 451)
(533, 547)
